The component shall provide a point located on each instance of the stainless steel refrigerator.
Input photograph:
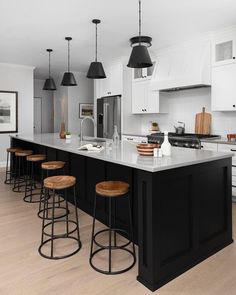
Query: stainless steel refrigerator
(108, 115)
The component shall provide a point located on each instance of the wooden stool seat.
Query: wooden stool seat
(36, 158)
(53, 165)
(13, 149)
(24, 153)
(59, 182)
(112, 188)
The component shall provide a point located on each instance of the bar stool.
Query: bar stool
(31, 189)
(52, 167)
(59, 183)
(10, 167)
(20, 179)
(112, 190)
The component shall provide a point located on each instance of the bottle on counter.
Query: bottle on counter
(115, 136)
(166, 146)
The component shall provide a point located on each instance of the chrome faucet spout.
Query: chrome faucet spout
(81, 126)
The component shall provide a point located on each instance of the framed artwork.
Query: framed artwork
(85, 110)
(8, 111)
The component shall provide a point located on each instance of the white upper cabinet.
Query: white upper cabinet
(224, 48)
(146, 101)
(113, 83)
(223, 90)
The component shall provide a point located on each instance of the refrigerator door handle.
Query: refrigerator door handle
(105, 119)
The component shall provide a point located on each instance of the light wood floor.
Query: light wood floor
(24, 272)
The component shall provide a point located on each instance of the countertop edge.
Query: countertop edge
(221, 155)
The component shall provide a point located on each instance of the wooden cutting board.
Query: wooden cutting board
(203, 122)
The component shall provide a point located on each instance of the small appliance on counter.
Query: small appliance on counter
(187, 140)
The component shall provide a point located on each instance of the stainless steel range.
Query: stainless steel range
(187, 140)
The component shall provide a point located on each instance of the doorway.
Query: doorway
(38, 103)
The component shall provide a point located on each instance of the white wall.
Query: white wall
(60, 97)
(131, 123)
(183, 106)
(83, 93)
(71, 97)
(47, 106)
(20, 79)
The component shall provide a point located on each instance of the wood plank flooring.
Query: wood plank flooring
(24, 272)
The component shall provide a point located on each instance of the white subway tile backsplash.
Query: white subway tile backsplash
(184, 105)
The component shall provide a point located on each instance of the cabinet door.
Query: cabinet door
(116, 79)
(208, 146)
(139, 93)
(224, 88)
(224, 51)
(152, 99)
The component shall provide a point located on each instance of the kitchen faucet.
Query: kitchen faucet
(81, 126)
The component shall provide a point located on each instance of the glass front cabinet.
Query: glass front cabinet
(224, 49)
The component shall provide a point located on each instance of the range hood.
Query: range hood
(185, 67)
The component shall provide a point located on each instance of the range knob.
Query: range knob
(186, 144)
(176, 143)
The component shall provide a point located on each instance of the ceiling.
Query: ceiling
(28, 27)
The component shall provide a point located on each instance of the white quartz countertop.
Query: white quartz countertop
(126, 154)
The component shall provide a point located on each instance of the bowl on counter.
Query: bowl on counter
(146, 149)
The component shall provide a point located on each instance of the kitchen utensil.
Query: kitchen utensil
(180, 129)
(203, 122)
(231, 137)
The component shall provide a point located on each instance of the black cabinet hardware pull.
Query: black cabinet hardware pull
(233, 150)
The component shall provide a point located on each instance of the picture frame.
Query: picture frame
(86, 110)
(8, 111)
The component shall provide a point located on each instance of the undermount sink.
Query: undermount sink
(95, 139)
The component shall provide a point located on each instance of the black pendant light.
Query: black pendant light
(96, 70)
(68, 77)
(140, 57)
(49, 82)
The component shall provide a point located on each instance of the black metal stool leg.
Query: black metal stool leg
(76, 216)
(109, 235)
(52, 232)
(7, 170)
(93, 227)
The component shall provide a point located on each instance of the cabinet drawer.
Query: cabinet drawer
(234, 180)
(234, 191)
(228, 148)
(209, 146)
(234, 171)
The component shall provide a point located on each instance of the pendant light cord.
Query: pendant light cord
(49, 64)
(96, 46)
(68, 56)
(140, 23)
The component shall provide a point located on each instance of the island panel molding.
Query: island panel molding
(8, 111)
(181, 215)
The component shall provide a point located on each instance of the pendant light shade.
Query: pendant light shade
(49, 82)
(68, 77)
(140, 57)
(96, 70)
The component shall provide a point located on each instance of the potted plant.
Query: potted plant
(68, 135)
(155, 126)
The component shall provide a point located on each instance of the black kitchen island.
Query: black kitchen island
(182, 210)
